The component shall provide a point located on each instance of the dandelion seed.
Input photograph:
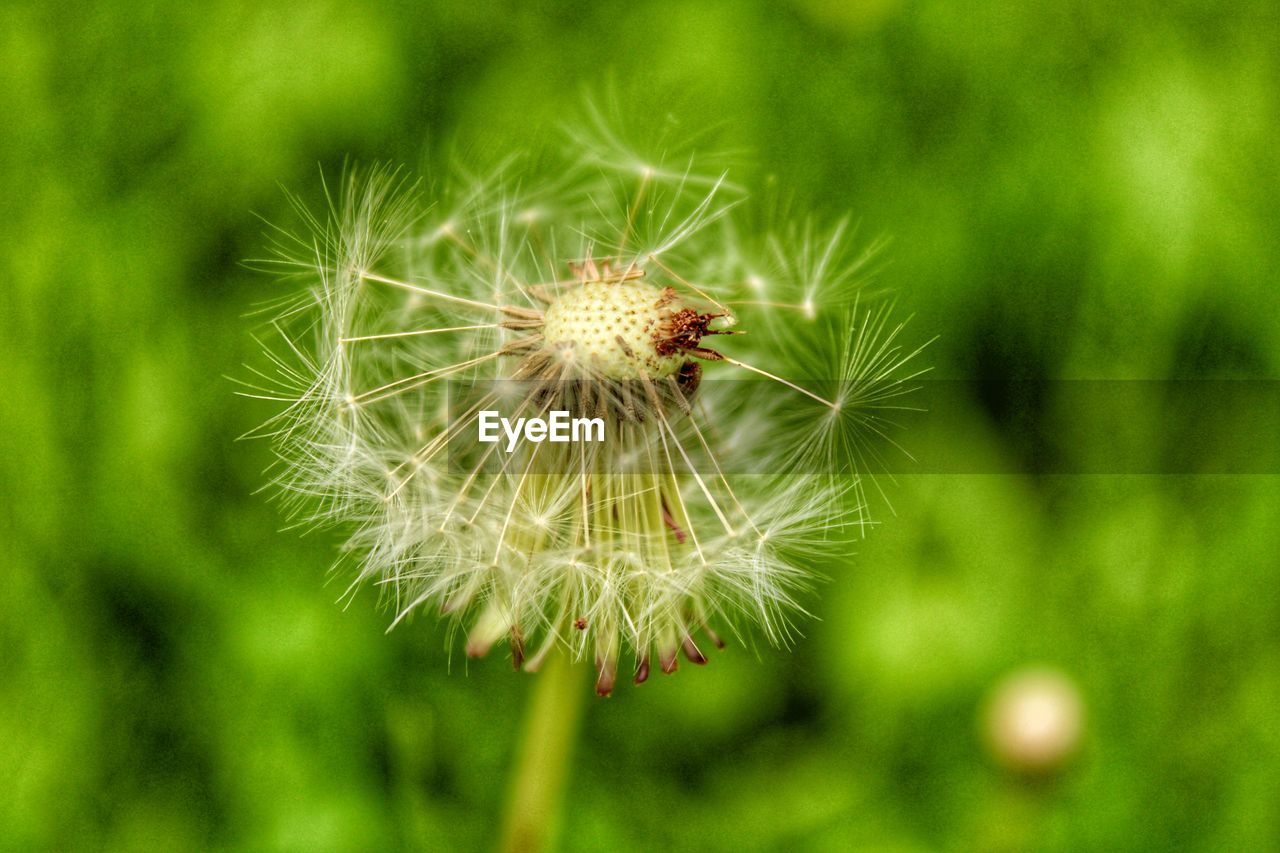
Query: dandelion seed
(603, 293)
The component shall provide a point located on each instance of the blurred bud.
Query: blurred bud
(1033, 721)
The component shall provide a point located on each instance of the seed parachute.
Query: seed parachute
(743, 386)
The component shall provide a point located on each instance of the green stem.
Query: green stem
(551, 725)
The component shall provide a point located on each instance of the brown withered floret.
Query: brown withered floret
(689, 377)
(684, 330)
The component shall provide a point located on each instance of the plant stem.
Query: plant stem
(551, 726)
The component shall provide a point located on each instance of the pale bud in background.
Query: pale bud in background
(1033, 721)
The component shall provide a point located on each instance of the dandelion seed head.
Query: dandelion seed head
(613, 328)
(599, 287)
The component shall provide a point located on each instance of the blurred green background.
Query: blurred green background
(1078, 189)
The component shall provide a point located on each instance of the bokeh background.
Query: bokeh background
(1073, 189)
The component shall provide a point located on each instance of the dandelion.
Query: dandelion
(619, 290)
(609, 293)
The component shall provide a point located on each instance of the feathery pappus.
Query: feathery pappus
(740, 381)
